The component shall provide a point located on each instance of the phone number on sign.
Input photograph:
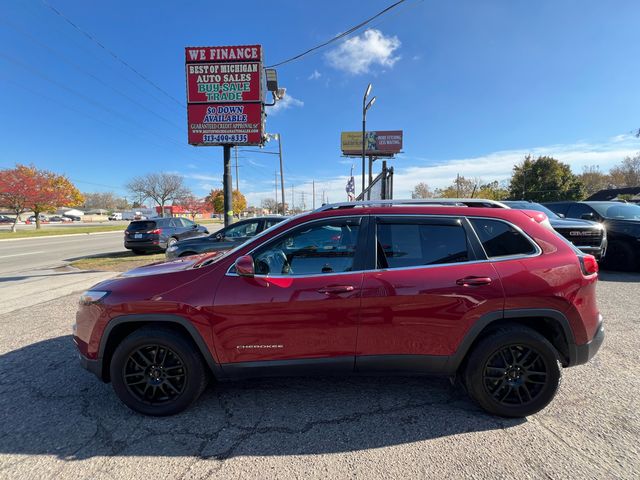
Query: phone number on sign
(225, 138)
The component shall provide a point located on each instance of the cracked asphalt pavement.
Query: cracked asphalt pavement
(58, 421)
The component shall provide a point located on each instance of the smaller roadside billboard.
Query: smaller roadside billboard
(380, 143)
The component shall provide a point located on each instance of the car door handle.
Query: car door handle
(473, 281)
(336, 289)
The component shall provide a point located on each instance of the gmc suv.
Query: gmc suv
(622, 221)
(493, 296)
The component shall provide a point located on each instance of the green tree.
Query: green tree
(493, 191)
(544, 179)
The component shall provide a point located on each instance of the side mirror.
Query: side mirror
(194, 226)
(244, 266)
(219, 236)
(587, 216)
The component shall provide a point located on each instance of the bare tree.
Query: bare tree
(270, 204)
(159, 187)
(626, 173)
(421, 190)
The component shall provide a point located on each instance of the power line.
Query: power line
(112, 53)
(86, 72)
(337, 37)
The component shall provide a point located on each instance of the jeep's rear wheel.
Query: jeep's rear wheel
(157, 371)
(513, 373)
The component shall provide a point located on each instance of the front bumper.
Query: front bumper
(583, 353)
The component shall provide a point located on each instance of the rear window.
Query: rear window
(141, 226)
(500, 239)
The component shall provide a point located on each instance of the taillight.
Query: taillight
(157, 231)
(588, 264)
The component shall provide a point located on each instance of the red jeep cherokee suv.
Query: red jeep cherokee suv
(492, 295)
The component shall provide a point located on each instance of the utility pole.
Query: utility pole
(237, 176)
(227, 185)
(304, 205)
(275, 184)
(458, 185)
(292, 199)
(313, 190)
(281, 173)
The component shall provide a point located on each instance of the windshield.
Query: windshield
(622, 211)
(532, 206)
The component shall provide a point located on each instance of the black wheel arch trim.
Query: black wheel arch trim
(149, 318)
(486, 320)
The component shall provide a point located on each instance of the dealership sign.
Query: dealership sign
(377, 143)
(224, 95)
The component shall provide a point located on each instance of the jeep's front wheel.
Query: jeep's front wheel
(156, 371)
(513, 372)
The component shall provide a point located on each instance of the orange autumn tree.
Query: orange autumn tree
(17, 186)
(27, 188)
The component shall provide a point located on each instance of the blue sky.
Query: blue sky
(475, 85)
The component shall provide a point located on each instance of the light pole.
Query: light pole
(277, 136)
(365, 106)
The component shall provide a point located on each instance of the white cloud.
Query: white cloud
(315, 75)
(287, 102)
(358, 54)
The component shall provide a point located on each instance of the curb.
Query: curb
(58, 236)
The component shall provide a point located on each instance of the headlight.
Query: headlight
(172, 248)
(92, 296)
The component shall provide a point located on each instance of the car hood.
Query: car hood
(178, 265)
(572, 223)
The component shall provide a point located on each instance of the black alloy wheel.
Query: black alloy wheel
(513, 371)
(158, 371)
(515, 375)
(155, 374)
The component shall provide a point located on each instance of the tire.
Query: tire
(172, 241)
(157, 371)
(620, 256)
(499, 380)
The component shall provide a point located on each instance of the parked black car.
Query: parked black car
(590, 237)
(5, 219)
(159, 233)
(622, 221)
(224, 239)
(73, 218)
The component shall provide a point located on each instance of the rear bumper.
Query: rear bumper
(93, 366)
(581, 354)
(146, 245)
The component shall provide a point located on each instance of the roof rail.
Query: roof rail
(443, 202)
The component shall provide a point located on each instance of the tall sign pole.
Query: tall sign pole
(281, 174)
(225, 103)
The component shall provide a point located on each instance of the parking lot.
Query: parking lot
(58, 421)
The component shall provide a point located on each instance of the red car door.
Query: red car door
(428, 287)
(302, 306)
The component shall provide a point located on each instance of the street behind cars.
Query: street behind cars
(224, 239)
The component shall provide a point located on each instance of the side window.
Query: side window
(247, 229)
(173, 223)
(500, 239)
(413, 244)
(270, 223)
(186, 222)
(577, 210)
(316, 249)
